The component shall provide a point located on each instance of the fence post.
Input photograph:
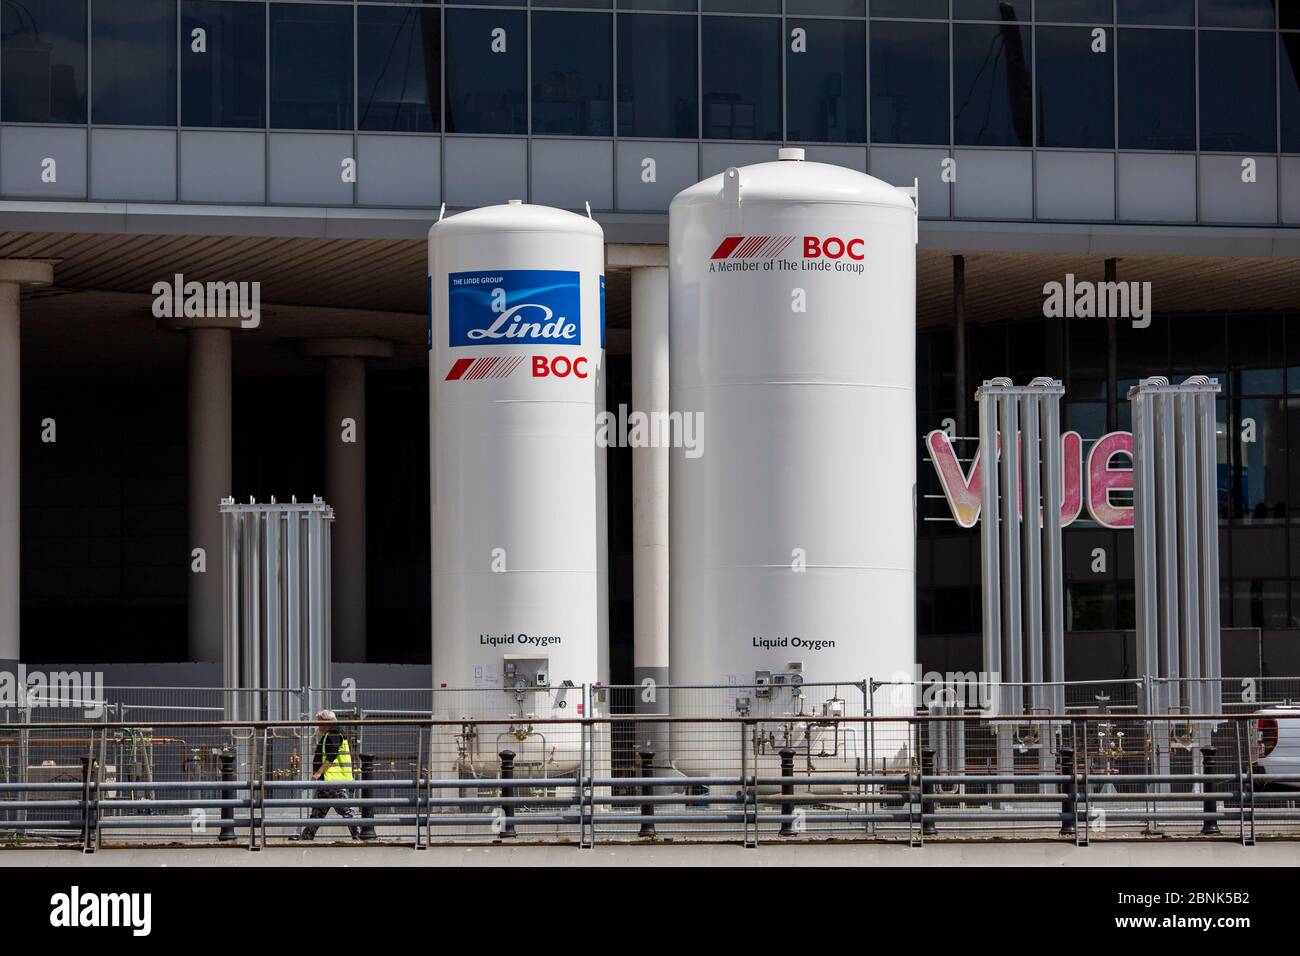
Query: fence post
(367, 831)
(507, 792)
(1068, 806)
(89, 795)
(787, 790)
(647, 809)
(1211, 826)
(928, 826)
(227, 758)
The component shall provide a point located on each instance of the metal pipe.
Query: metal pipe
(787, 789)
(1053, 562)
(647, 792)
(507, 810)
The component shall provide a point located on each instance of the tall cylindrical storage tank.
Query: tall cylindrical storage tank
(793, 328)
(516, 345)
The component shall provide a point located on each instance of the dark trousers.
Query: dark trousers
(318, 813)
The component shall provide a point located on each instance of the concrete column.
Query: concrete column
(209, 482)
(14, 275)
(345, 484)
(650, 480)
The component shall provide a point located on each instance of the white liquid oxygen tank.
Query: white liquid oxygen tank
(793, 331)
(516, 378)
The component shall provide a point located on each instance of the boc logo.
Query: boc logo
(514, 307)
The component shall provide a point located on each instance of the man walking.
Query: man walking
(332, 761)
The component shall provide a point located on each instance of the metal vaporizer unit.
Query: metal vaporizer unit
(1176, 550)
(276, 610)
(1020, 549)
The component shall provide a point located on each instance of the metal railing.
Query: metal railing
(420, 781)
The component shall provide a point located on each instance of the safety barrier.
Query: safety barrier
(421, 781)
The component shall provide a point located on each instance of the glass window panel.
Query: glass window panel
(1293, 358)
(1259, 465)
(921, 9)
(954, 611)
(1289, 15)
(986, 352)
(43, 61)
(992, 91)
(1075, 99)
(1157, 91)
(133, 56)
(397, 68)
(1255, 355)
(657, 77)
(1198, 346)
(1157, 12)
(311, 66)
(486, 90)
(924, 346)
(1237, 91)
(1293, 439)
(1140, 353)
(1086, 418)
(742, 78)
(825, 86)
(1289, 61)
(924, 611)
(991, 9)
(683, 5)
(572, 74)
(1027, 350)
(909, 83)
(1090, 607)
(1073, 11)
(740, 6)
(829, 8)
(224, 84)
(1259, 603)
(590, 4)
(1087, 376)
(1237, 13)
(657, 70)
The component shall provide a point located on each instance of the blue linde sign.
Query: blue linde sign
(514, 307)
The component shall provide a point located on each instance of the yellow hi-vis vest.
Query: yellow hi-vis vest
(341, 768)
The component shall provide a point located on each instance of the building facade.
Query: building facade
(307, 146)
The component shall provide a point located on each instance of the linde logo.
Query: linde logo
(513, 324)
(1107, 473)
(180, 299)
(98, 910)
(514, 307)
